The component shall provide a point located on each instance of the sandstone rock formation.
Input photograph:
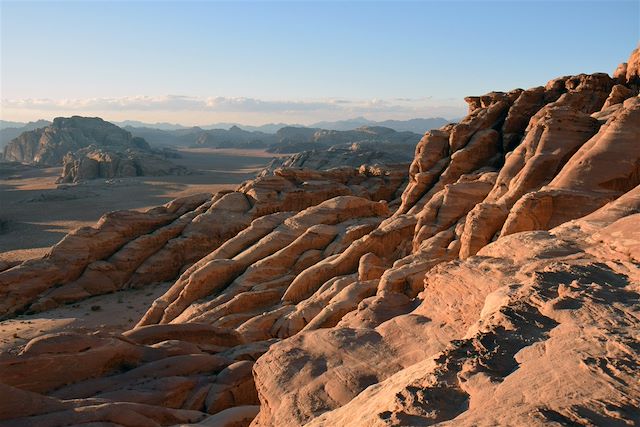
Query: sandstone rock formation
(134, 249)
(353, 155)
(89, 148)
(495, 283)
(49, 145)
(94, 162)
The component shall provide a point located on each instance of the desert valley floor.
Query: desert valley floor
(36, 212)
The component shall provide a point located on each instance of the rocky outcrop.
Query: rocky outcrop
(98, 163)
(138, 248)
(493, 283)
(553, 139)
(49, 145)
(90, 148)
(628, 73)
(69, 259)
(353, 155)
(602, 170)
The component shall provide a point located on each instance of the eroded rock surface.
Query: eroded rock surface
(495, 282)
(94, 162)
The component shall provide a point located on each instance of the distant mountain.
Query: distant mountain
(415, 125)
(296, 139)
(48, 145)
(419, 126)
(288, 139)
(7, 124)
(245, 136)
(235, 137)
(160, 125)
(219, 138)
(353, 155)
(178, 137)
(90, 148)
(7, 133)
(267, 128)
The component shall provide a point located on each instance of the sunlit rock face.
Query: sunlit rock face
(494, 282)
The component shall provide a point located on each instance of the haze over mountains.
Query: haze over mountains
(11, 130)
(176, 134)
(267, 128)
(91, 148)
(411, 125)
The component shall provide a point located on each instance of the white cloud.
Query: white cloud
(229, 107)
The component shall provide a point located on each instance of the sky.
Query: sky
(297, 61)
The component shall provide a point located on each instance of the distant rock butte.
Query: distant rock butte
(89, 148)
(49, 145)
(353, 155)
(93, 162)
(494, 282)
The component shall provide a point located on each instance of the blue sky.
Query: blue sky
(297, 61)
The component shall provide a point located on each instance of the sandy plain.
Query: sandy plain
(35, 212)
